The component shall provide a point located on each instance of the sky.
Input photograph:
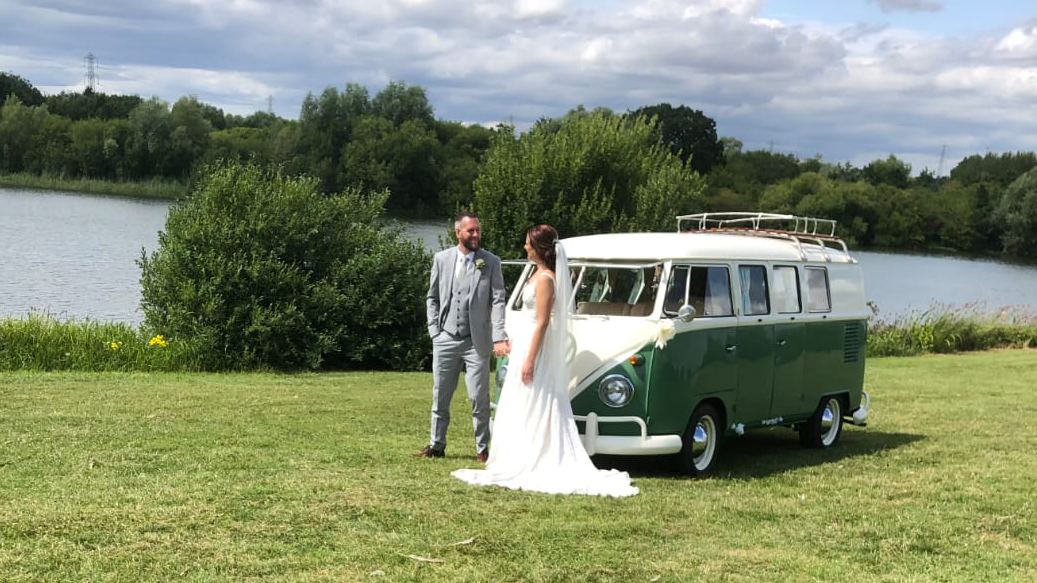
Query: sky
(930, 81)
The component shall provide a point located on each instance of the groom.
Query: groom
(465, 306)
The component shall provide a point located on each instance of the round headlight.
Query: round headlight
(615, 390)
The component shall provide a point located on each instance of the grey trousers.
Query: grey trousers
(448, 354)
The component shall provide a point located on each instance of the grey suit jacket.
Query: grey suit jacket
(485, 302)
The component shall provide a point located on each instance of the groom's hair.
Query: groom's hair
(462, 216)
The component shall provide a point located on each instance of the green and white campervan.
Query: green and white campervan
(735, 321)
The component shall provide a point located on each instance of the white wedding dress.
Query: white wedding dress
(535, 444)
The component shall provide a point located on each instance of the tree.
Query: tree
(1017, 212)
(22, 136)
(688, 133)
(406, 160)
(148, 144)
(11, 84)
(597, 173)
(993, 169)
(464, 147)
(739, 183)
(325, 127)
(190, 134)
(92, 104)
(260, 270)
(891, 171)
(399, 103)
(88, 148)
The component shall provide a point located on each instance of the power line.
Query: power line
(91, 71)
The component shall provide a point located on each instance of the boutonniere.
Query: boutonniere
(480, 263)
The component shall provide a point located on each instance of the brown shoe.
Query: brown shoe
(482, 457)
(429, 451)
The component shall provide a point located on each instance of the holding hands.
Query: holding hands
(502, 348)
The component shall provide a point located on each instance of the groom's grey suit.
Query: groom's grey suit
(465, 319)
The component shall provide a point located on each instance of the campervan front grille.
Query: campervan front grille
(853, 340)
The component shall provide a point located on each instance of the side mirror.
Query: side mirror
(686, 313)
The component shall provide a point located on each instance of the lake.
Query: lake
(73, 256)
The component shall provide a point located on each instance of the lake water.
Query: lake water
(73, 256)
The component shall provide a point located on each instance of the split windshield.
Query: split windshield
(615, 290)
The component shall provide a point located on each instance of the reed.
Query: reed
(153, 188)
(946, 329)
(40, 342)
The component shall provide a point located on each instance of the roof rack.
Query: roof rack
(800, 230)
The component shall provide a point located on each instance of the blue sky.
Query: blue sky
(851, 80)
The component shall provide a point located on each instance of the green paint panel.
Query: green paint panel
(693, 364)
(589, 402)
(755, 373)
(790, 346)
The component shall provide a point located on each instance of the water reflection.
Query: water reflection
(73, 255)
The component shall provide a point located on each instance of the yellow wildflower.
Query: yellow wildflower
(158, 340)
(115, 345)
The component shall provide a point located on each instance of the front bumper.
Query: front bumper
(643, 444)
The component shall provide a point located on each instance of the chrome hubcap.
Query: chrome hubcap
(831, 418)
(704, 442)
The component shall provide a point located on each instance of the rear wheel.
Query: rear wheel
(701, 441)
(825, 425)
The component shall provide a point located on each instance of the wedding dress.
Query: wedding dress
(536, 445)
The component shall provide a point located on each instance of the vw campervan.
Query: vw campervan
(735, 321)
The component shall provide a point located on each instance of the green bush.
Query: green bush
(261, 270)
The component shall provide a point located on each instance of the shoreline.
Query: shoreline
(150, 189)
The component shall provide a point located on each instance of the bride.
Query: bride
(535, 444)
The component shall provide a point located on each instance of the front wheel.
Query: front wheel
(701, 441)
(825, 425)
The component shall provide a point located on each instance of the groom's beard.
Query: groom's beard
(470, 246)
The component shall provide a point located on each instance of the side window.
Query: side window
(818, 296)
(707, 289)
(676, 289)
(711, 291)
(753, 280)
(786, 290)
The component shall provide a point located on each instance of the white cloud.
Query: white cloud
(836, 88)
(908, 5)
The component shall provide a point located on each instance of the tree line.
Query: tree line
(587, 171)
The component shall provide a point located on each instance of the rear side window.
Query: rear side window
(706, 288)
(786, 290)
(818, 295)
(753, 279)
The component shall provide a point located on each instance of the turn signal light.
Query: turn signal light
(637, 359)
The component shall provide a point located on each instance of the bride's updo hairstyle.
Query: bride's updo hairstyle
(542, 239)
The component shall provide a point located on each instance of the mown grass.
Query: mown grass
(126, 477)
(40, 342)
(947, 329)
(153, 188)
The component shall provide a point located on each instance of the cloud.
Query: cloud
(843, 90)
(888, 6)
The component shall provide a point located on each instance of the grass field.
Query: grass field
(131, 477)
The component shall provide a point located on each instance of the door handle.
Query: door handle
(731, 348)
(782, 342)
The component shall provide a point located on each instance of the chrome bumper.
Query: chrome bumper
(643, 444)
(860, 416)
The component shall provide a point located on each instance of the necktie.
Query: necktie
(462, 266)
